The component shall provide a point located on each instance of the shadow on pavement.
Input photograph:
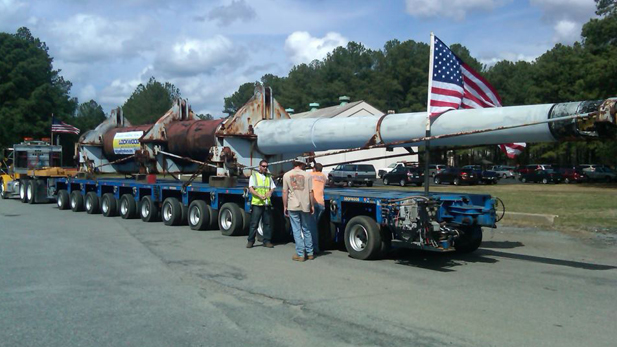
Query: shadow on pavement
(502, 244)
(544, 260)
(442, 262)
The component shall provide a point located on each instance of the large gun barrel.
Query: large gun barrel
(317, 134)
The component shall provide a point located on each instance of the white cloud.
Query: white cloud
(119, 90)
(194, 56)
(12, 13)
(87, 93)
(301, 47)
(87, 38)
(566, 16)
(456, 9)
(237, 10)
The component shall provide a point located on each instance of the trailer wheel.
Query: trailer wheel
(63, 200)
(363, 238)
(92, 203)
(148, 211)
(199, 215)
(77, 201)
(230, 219)
(128, 206)
(470, 239)
(184, 216)
(171, 212)
(109, 205)
(23, 195)
(214, 219)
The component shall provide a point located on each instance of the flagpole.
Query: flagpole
(427, 143)
(52, 129)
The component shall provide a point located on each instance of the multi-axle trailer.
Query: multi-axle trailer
(367, 222)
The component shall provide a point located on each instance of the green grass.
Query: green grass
(579, 206)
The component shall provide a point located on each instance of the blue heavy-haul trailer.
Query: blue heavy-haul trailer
(367, 221)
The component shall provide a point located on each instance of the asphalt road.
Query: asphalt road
(72, 279)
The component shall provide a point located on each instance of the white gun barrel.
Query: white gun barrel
(318, 134)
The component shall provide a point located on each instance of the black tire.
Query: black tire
(386, 182)
(457, 181)
(77, 201)
(127, 207)
(148, 210)
(402, 183)
(23, 196)
(363, 238)
(184, 217)
(369, 183)
(437, 180)
(199, 215)
(470, 240)
(31, 191)
(109, 205)
(214, 220)
(231, 219)
(92, 203)
(171, 212)
(63, 200)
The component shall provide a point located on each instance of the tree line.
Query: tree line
(395, 78)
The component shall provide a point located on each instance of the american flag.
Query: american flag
(455, 85)
(58, 126)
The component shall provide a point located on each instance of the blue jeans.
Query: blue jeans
(315, 226)
(300, 224)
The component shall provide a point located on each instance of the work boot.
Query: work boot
(310, 257)
(250, 244)
(268, 245)
(297, 258)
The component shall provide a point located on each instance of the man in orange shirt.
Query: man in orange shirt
(319, 182)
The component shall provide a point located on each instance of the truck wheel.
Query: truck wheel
(470, 240)
(31, 191)
(77, 201)
(92, 203)
(363, 238)
(230, 219)
(148, 211)
(63, 200)
(23, 196)
(199, 215)
(402, 183)
(128, 206)
(385, 182)
(109, 205)
(171, 212)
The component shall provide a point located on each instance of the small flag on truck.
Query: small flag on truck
(58, 126)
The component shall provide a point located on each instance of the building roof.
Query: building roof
(356, 108)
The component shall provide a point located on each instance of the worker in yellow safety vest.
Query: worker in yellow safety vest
(261, 186)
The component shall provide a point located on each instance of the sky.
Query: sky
(209, 48)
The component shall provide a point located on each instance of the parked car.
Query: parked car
(382, 171)
(456, 176)
(533, 167)
(504, 171)
(484, 176)
(544, 176)
(434, 169)
(351, 174)
(573, 175)
(404, 175)
(601, 174)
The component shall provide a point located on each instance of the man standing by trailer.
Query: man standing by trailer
(298, 205)
(319, 183)
(261, 186)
